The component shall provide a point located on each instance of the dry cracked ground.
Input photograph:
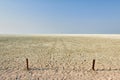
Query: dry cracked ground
(59, 58)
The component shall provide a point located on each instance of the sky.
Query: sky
(59, 16)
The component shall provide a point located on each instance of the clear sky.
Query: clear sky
(59, 16)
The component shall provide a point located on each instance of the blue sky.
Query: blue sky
(59, 16)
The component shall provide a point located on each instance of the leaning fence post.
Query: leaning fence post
(93, 65)
(27, 64)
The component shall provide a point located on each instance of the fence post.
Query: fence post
(38, 78)
(93, 65)
(27, 64)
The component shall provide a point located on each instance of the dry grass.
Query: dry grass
(59, 58)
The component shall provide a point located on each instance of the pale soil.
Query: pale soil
(60, 57)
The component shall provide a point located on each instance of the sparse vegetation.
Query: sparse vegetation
(59, 58)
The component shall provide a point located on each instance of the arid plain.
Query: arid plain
(63, 57)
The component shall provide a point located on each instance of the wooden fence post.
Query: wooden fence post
(93, 65)
(27, 65)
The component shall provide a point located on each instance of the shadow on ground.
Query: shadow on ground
(42, 69)
(107, 70)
